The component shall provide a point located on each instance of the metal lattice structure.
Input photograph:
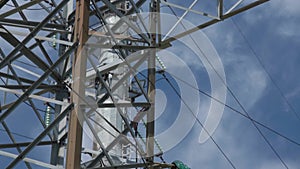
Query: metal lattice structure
(65, 64)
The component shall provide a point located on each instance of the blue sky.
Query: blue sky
(272, 31)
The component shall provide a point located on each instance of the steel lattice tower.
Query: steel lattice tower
(70, 65)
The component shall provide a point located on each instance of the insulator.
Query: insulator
(161, 63)
(47, 117)
(180, 165)
(54, 37)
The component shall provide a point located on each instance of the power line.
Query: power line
(199, 122)
(236, 111)
(17, 134)
(233, 95)
(265, 69)
(34, 9)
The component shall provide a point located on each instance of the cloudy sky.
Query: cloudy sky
(268, 32)
(259, 51)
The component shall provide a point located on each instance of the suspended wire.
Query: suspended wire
(31, 9)
(231, 108)
(228, 106)
(236, 111)
(234, 97)
(265, 69)
(198, 121)
(17, 134)
(25, 102)
(28, 64)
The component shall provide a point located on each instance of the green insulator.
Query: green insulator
(180, 165)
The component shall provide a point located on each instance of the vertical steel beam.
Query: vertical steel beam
(151, 84)
(78, 74)
(220, 9)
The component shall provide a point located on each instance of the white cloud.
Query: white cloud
(286, 7)
(277, 165)
(289, 30)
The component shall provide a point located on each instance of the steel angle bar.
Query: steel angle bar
(91, 73)
(62, 42)
(24, 144)
(101, 126)
(112, 144)
(125, 19)
(60, 17)
(23, 70)
(29, 160)
(8, 131)
(94, 108)
(15, 10)
(211, 22)
(30, 29)
(118, 108)
(132, 70)
(180, 19)
(37, 83)
(28, 53)
(51, 87)
(220, 8)
(6, 106)
(20, 11)
(117, 36)
(41, 136)
(71, 17)
(10, 56)
(2, 3)
(45, 99)
(118, 104)
(137, 11)
(30, 101)
(139, 165)
(43, 38)
(117, 46)
(31, 47)
(98, 140)
(189, 9)
(234, 6)
(14, 141)
(13, 78)
(44, 52)
(108, 148)
(31, 24)
(138, 4)
(42, 92)
(99, 14)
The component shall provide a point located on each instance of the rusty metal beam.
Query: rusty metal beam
(74, 146)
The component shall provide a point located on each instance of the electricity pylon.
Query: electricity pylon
(71, 67)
